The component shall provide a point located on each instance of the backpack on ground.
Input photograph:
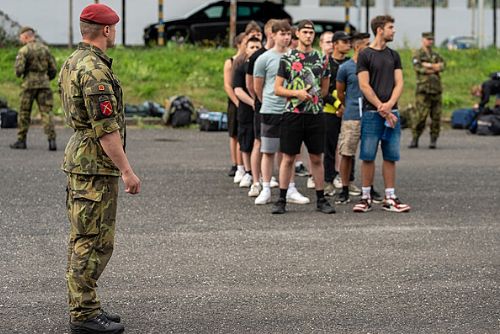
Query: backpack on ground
(212, 120)
(8, 118)
(462, 118)
(180, 112)
(488, 122)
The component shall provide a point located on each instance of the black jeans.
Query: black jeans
(332, 132)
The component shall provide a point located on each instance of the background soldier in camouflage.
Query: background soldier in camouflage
(93, 161)
(36, 66)
(428, 65)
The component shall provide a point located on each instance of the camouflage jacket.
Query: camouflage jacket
(427, 83)
(92, 101)
(36, 65)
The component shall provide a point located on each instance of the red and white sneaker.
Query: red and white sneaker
(364, 205)
(395, 205)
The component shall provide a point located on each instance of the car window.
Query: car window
(214, 12)
(244, 11)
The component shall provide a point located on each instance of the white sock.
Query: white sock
(266, 185)
(390, 193)
(366, 192)
(291, 185)
(241, 168)
(298, 163)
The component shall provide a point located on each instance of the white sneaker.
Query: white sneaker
(353, 190)
(274, 183)
(246, 181)
(310, 183)
(293, 196)
(337, 182)
(238, 176)
(264, 197)
(254, 190)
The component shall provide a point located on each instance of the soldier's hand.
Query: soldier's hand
(132, 183)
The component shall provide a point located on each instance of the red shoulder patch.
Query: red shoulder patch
(106, 108)
(100, 87)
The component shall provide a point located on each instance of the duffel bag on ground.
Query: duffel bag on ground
(212, 121)
(488, 125)
(462, 118)
(8, 118)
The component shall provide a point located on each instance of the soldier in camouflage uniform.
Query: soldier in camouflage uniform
(93, 161)
(428, 65)
(36, 66)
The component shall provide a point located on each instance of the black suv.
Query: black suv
(212, 22)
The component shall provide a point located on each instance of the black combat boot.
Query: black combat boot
(433, 143)
(19, 145)
(111, 316)
(414, 143)
(99, 324)
(52, 145)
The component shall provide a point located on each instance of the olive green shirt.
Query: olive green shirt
(427, 83)
(92, 101)
(35, 65)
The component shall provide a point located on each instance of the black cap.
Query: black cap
(341, 36)
(305, 24)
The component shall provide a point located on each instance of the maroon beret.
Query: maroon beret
(100, 14)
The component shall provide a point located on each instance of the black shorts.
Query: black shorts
(246, 137)
(232, 122)
(298, 128)
(256, 124)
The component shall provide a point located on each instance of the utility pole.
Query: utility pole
(433, 17)
(367, 16)
(70, 37)
(495, 24)
(358, 22)
(161, 28)
(123, 22)
(232, 22)
(347, 27)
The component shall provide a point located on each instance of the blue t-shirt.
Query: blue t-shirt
(353, 95)
(266, 66)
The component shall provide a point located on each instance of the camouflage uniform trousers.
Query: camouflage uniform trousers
(91, 205)
(45, 101)
(426, 104)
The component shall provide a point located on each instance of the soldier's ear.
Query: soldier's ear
(106, 30)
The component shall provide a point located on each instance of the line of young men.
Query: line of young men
(291, 86)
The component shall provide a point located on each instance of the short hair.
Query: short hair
(254, 40)
(294, 33)
(252, 26)
(238, 39)
(380, 22)
(358, 37)
(269, 25)
(90, 30)
(281, 25)
(322, 36)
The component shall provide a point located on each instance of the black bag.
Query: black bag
(212, 120)
(488, 125)
(181, 111)
(8, 118)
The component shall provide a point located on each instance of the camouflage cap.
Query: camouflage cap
(25, 29)
(428, 35)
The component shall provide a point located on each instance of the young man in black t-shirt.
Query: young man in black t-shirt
(380, 78)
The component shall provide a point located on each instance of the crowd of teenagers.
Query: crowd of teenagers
(291, 104)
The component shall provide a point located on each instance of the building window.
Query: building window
(292, 2)
(341, 3)
(487, 3)
(420, 3)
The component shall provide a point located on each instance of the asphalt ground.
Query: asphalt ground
(194, 254)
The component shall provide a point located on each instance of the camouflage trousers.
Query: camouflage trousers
(45, 101)
(91, 204)
(426, 104)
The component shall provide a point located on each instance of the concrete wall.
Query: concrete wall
(50, 17)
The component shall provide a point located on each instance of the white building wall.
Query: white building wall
(50, 17)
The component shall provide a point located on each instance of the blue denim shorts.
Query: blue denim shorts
(374, 131)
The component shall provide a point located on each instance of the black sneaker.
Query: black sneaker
(99, 324)
(376, 197)
(232, 171)
(324, 206)
(52, 145)
(111, 316)
(279, 207)
(18, 145)
(343, 198)
(301, 170)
